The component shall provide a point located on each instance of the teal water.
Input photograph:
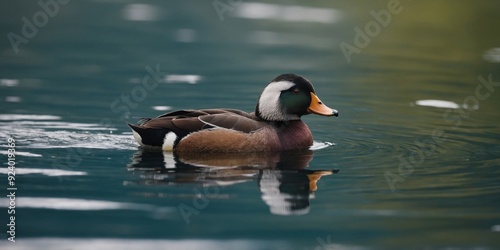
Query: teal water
(412, 162)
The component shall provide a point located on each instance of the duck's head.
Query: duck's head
(288, 97)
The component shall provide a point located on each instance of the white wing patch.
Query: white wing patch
(137, 138)
(168, 142)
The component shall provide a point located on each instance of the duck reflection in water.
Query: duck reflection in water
(284, 182)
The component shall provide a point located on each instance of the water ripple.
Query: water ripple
(317, 145)
(34, 131)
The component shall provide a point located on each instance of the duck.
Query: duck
(274, 126)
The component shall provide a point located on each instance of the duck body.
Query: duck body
(220, 130)
(274, 126)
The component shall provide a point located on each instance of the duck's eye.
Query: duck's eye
(296, 90)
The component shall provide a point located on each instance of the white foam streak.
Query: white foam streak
(129, 244)
(141, 12)
(47, 172)
(191, 79)
(444, 104)
(287, 13)
(70, 204)
(21, 153)
(320, 145)
(12, 117)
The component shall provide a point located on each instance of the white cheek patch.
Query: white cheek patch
(137, 138)
(168, 142)
(269, 104)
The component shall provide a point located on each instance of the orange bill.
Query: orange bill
(317, 107)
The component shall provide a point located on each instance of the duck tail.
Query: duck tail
(152, 137)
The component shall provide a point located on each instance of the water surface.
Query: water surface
(412, 161)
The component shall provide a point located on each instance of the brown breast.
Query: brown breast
(294, 135)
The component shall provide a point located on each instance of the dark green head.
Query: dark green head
(288, 97)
